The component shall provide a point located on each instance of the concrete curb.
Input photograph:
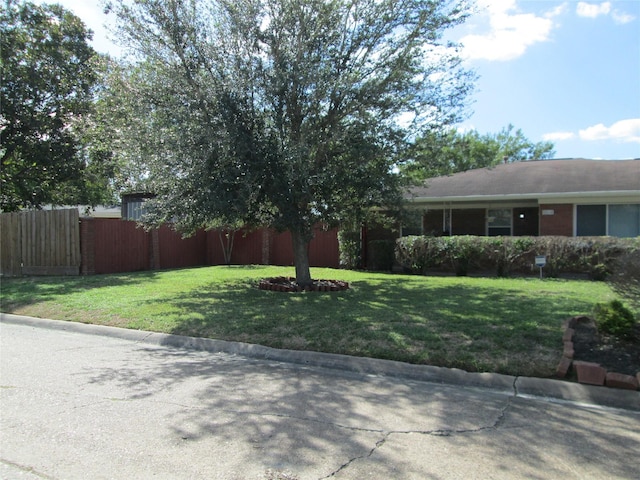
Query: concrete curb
(548, 389)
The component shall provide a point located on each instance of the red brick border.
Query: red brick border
(288, 284)
(588, 372)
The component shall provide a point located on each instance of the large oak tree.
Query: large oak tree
(285, 112)
(46, 90)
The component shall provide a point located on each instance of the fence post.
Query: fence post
(87, 246)
(266, 246)
(154, 250)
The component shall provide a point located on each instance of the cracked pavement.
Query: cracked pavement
(75, 405)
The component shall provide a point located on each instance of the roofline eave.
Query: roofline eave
(526, 196)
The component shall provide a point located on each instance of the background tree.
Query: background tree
(446, 152)
(117, 133)
(48, 73)
(286, 112)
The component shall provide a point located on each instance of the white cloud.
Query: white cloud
(559, 10)
(510, 33)
(557, 136)
(624, 130)
(627, 131)
(622, 18)
(593, 10)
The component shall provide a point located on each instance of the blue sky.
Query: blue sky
(568, 72)
(564, 71)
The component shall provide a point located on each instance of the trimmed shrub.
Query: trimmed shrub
(505, 254)
(462, 252)
(350, 248)
(380, 255)
(418, 254)
(614, 318)
(597, 257)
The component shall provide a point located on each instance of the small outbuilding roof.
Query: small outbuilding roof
(534, 179)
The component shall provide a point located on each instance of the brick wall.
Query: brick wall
(560, 223)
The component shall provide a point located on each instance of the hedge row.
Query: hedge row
(593, 256)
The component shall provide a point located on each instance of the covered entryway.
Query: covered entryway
(525, 222)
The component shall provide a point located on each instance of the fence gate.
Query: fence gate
(44, 242)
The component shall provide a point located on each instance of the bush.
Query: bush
(418, 254)
(625, 278)
(560, 253)
(596, 257)
(505, 254)
(462, 252)
(350, 248)
(614, 318)
(380, 255)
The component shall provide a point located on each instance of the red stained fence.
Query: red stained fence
(118, 246)
(323, 249)
(178, 252)
(113, 245)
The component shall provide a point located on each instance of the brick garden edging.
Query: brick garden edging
(288, 284)
(588, 372)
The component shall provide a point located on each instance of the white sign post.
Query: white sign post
(541, 261)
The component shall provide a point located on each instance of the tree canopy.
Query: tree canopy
(284, 112)
(450, 151)
(47, 77)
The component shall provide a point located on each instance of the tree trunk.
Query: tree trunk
(301, 258)
(226, 240)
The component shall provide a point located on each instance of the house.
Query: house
(567, 197)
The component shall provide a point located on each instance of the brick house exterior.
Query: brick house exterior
(567, 197)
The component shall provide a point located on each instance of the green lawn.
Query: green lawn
(509, 326)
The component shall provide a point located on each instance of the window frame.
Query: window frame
(501, 227)
(607, 217)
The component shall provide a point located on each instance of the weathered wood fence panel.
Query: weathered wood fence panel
(44, 242)
(10, 245)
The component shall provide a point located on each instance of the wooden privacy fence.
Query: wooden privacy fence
(44, 242)
(58, 242)
(111, 245)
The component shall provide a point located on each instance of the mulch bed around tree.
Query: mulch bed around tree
(612, 353)
(289, 284)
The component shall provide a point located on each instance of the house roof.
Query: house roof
(535, 179)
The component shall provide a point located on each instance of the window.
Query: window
(614, 220)
(591, 220)
(134, 210)
(624, 220)
(499, 222)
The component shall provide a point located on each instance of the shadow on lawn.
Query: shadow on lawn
(402, 319)
(24, 291)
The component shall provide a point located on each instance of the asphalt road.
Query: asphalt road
(80, 405)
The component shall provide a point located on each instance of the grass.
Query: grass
(510, 326)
